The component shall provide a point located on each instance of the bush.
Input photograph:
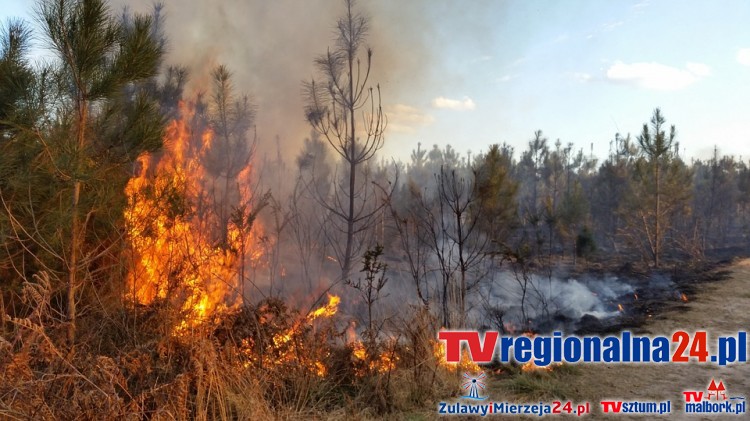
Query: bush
(585, 244)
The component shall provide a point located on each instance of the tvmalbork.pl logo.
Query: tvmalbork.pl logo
(716, 399)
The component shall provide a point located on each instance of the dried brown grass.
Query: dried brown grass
(127, 367)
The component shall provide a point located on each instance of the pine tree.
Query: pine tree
(333, 110)
(96, 115)
(661, 190)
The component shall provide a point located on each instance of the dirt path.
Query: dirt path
(720, 308)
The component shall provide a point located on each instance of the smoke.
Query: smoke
(552, 302)
(270, 47)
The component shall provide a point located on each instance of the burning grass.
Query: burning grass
(261, 361)
(186, 342)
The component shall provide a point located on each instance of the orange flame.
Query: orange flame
(531, 366)
(170, 226)
(620, 308)
(381, 363)
(327, 310)
(684, 297)
(290, 351)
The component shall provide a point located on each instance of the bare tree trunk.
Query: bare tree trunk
(346, 269)
(657, 234)
(73, 264)
(347, 266)
(463, 268)
(75, 229)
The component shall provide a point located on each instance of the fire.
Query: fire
(684, 297)
(288, 348)
(620, 308)
(183, 246)
(382, 363)
(635, 296)
(327, 310)
(293, 353)
(531, 366)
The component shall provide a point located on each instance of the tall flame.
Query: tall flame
(171, 229)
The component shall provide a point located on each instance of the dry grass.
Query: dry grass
(238, 370)
(537, 384)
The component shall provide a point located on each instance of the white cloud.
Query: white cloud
(517, 62)
(743, 56)
(657, 76)
(561, 38)
(698, 69)
(582, 77)
(454, 104)
(406, 119)
(611, 26)
(641, 5)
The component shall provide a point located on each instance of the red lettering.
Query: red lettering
(682, 339)
(556, 407)
(481, 352)
(693, 396)
(568, 407)
(698, 350)
(612, 406)
(453, 343)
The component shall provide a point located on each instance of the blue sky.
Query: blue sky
(583, 70)
(472, 73)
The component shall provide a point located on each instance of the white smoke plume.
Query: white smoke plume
(553, 302)
(270, 47)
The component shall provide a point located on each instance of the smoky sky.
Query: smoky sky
(270, 46)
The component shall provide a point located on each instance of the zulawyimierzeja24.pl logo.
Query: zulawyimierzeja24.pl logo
(473, 403)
